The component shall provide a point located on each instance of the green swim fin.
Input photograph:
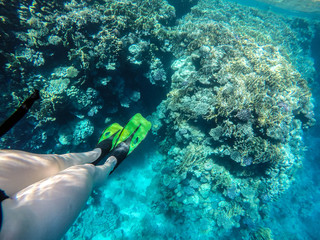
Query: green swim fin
(111, 132)
(137, 128)
(108, 140)
(130, 137)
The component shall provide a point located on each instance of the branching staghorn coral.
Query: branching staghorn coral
(261, 234)
(191, 157)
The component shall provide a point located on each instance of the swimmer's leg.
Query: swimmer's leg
(19, 169)
(46, 209)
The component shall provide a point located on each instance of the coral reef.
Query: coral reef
(231, 126)
(86, 34)
(233, 122)
(82, 56)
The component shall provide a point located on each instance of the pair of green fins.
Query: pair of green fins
(121, 141)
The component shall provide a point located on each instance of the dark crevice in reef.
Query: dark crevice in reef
(182, 6)
(55, 56)
(254, 170)
(150, 95)
(134, 79)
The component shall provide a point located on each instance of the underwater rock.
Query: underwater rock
(166, 180)
(194, 183)
(138, 51)
(244, 115)
(94, 110)
(65, 139)
(248, 192)
(57, 86)
(173, 184)
(192, 200)
(54, 40)
(216, 133)
(233, 191)
(82, 131)
(208, 165)
(72, 72)
(189, 190)
(204, 190)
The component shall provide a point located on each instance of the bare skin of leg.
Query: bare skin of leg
(20, 169)
(46, 209)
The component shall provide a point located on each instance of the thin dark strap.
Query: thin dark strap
(19, 113)
(0, 216)
(3, 196)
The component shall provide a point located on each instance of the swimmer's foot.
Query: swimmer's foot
(108, 140)
(130, 137)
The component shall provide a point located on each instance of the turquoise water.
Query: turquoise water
(232, 92)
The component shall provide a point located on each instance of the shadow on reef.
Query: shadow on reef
(254, 170)
(183, 6)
